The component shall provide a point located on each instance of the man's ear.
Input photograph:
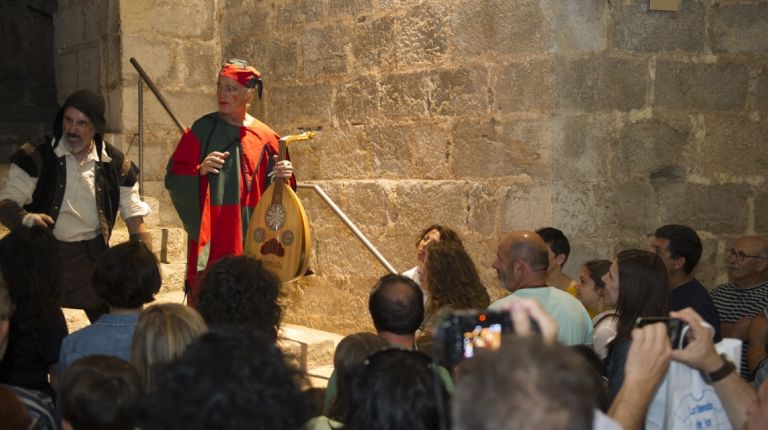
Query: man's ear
(560, 259)
(678, 263)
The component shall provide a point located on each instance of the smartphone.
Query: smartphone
(674, 328)
(464, 333)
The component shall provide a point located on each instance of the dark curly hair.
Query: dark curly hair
(30, 265)
(238, 291)
(446, 234)
(231, 379)
(127, 275)
(452, 279)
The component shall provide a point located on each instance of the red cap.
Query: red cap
(246, 75)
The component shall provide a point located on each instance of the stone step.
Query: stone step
(309, 349)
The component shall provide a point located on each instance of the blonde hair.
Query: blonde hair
(162, 333)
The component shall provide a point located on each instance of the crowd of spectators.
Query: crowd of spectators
(556, 353)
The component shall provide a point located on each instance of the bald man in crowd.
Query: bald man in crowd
(746, 293)
(521, 263)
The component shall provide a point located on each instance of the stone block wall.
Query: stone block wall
(601, 118)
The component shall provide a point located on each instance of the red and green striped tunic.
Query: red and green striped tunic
(216, 208)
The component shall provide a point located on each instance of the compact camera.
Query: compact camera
(463, 333)
(675, 328)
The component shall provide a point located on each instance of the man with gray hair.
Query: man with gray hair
(521, 262)
(745, 294)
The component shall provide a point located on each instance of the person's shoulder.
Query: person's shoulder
(30, 156)
(498, 303)
(262, 127)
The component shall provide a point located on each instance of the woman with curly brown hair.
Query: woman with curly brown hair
(452, 282)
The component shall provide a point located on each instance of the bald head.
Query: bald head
(748, 261)
(521, 260)
(529, 247)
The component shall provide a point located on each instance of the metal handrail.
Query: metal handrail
(350, 225)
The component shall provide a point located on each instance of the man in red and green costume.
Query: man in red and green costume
(220, 169)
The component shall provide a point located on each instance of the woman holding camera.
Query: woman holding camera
(637, 284)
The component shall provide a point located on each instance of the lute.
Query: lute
(278, 233)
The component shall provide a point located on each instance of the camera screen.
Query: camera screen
(482, 338)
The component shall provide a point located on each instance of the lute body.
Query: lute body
(278, 233)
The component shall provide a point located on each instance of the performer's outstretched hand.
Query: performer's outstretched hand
(213, 162)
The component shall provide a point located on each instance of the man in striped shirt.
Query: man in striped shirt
(746, 293)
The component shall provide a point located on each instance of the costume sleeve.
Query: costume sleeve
(182, 180)
(131, 204)
(19, 186)
(18, 191)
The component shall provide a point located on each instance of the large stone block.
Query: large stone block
(740, 28)
(580, 208)
(364, 202)
(334, 154)
(761, 96)
(293, 106)
(492, 150)
(393, 147)
(721, 208)
(276, 59)
(500, 27)
(650, 145)
(760, 211)
(185, 20)
(718, 86)
(413, 204)
(423, 34)
(732, 146)
(291, 13)
(483, 206)
(460, 92)
(357, 102)
(581, 26)
(195, 67)
(635, 28)
(246, 22)
(525, 87)
(334, 303)
(335, 246)
(373, 43)
(635, 206)
(324, 51)
(526, 205)
(353, 8)
(406, 96)
(581, 147)
(600, 83)
(157, 60)
(394, 4)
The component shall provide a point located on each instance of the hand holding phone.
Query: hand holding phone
(675, 329)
